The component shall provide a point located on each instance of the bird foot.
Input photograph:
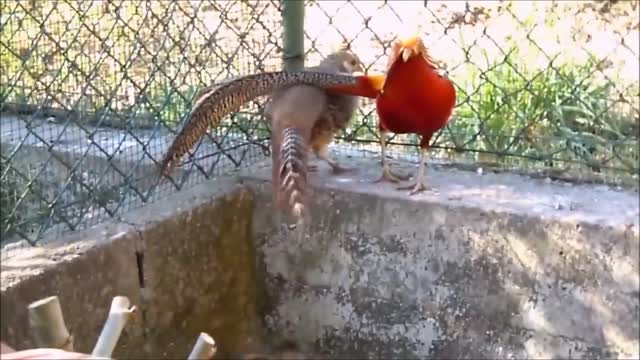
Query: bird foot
(418, 187)
(388, 175)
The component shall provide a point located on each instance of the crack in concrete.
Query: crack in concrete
(139, 256)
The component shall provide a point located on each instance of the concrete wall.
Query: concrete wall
(493, 266)
(197, 268)
(477, 267)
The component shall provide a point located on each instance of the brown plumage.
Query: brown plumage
(339, 110)
(213, 103)
(306, 118)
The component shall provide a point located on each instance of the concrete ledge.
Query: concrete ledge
(194, 253)
(491, 266)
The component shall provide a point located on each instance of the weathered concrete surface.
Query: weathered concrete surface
(198, 267)
(491, 266)
(483, 266)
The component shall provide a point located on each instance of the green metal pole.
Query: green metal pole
(293, 35)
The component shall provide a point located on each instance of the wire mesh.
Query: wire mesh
(93, 90)
(549, 88)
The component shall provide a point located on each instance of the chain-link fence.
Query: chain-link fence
(92, 91)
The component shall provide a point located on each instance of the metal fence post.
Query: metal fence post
(293, 34)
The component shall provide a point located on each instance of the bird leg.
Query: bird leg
(419, 185)
(387, 174)
(336, 168)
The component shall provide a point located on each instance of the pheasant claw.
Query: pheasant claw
(389, 176)
(416, 188)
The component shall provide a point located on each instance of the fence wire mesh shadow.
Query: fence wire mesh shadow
(92, 92)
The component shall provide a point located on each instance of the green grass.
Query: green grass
(559, 114)
(560, 109)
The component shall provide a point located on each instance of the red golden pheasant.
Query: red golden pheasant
(414, 99)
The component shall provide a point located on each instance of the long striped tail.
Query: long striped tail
(216, 102)
(293, 171)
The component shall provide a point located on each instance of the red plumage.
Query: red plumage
(412, 99)
(415, 99)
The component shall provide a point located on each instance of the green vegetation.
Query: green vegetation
(564, 115)
(22, 209)
(559, 113)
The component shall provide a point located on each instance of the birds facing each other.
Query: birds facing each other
(413, 99)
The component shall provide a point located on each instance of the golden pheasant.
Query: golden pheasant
(414, 98)
(215, 102)
(307, 117)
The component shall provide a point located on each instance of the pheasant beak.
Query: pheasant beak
(406, 54)
(409, 47)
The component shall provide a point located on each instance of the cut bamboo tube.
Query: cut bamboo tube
(119, 314)
(204, 349)
(47, 324)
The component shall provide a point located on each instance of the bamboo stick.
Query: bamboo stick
(47, 324)
(119, 314)
(204, 348)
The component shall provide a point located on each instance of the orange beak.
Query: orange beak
(409, 47)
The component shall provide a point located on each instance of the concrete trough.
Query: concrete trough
(479, 266)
